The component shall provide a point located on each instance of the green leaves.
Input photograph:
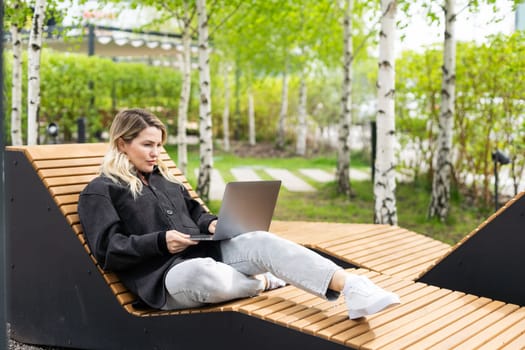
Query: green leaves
(489, 106)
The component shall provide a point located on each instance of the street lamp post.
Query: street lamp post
(498, 158)
(52, 131)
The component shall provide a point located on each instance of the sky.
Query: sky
(469, 26)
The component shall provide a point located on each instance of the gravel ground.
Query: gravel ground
(14, 345)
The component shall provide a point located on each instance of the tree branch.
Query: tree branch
(225, 19)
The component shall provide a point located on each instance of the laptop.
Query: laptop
(246, 206)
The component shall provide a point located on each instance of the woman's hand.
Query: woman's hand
(211, 227)
(177, 241)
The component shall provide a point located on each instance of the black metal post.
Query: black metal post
(499, 158)
(373, 135)
(81, 130)
(91, 40)
(496, 206)
(3, 289)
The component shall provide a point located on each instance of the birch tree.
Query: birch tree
(343, 145)
(184, 12)
(440, 199)
(385, 211)
(184, 101)
(226, 110)
(283, 111)
(16, 91)
(205, 121)
(251, 117)
(302, 126)
(34, 53)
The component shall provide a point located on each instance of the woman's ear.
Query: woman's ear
(121, 144)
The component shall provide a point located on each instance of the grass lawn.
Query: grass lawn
(327, 205)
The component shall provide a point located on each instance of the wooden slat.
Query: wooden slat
(68, 171)
(42, 152)
(126, 298)
(68, 189)
(68, 180)
(73, 219)
(111, 277)
(118, 288)
(69, 209)
(67, 199)
(52, 164)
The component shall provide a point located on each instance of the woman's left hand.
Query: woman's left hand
(177, 241)
(211, 227)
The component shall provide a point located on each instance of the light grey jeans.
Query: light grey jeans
(201, 281)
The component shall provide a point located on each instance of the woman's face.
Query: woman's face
(143, 151)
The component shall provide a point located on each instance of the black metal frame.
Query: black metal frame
(57, 297)
(490, 262)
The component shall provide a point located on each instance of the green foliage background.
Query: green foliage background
(490, 102)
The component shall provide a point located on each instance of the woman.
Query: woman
(138, 220)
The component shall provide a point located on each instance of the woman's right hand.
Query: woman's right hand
(177, 241)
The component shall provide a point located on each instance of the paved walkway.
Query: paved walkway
(295, 181)
(291, 181)
(245, 174)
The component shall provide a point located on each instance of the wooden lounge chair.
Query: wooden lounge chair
(59, 295)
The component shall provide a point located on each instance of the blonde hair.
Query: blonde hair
(126, 126)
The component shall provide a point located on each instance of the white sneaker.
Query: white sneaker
(270, 281)
(364, 298)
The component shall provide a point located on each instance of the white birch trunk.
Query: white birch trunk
(302, 127)
(440, 201)
(343, 145)
(226, 111)
(16, 93)
(182, 144)
(385, 180)
(205, 121)
(251, 118)
(33, 86)
(281, 128)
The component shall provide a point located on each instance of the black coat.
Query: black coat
(128, 235)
